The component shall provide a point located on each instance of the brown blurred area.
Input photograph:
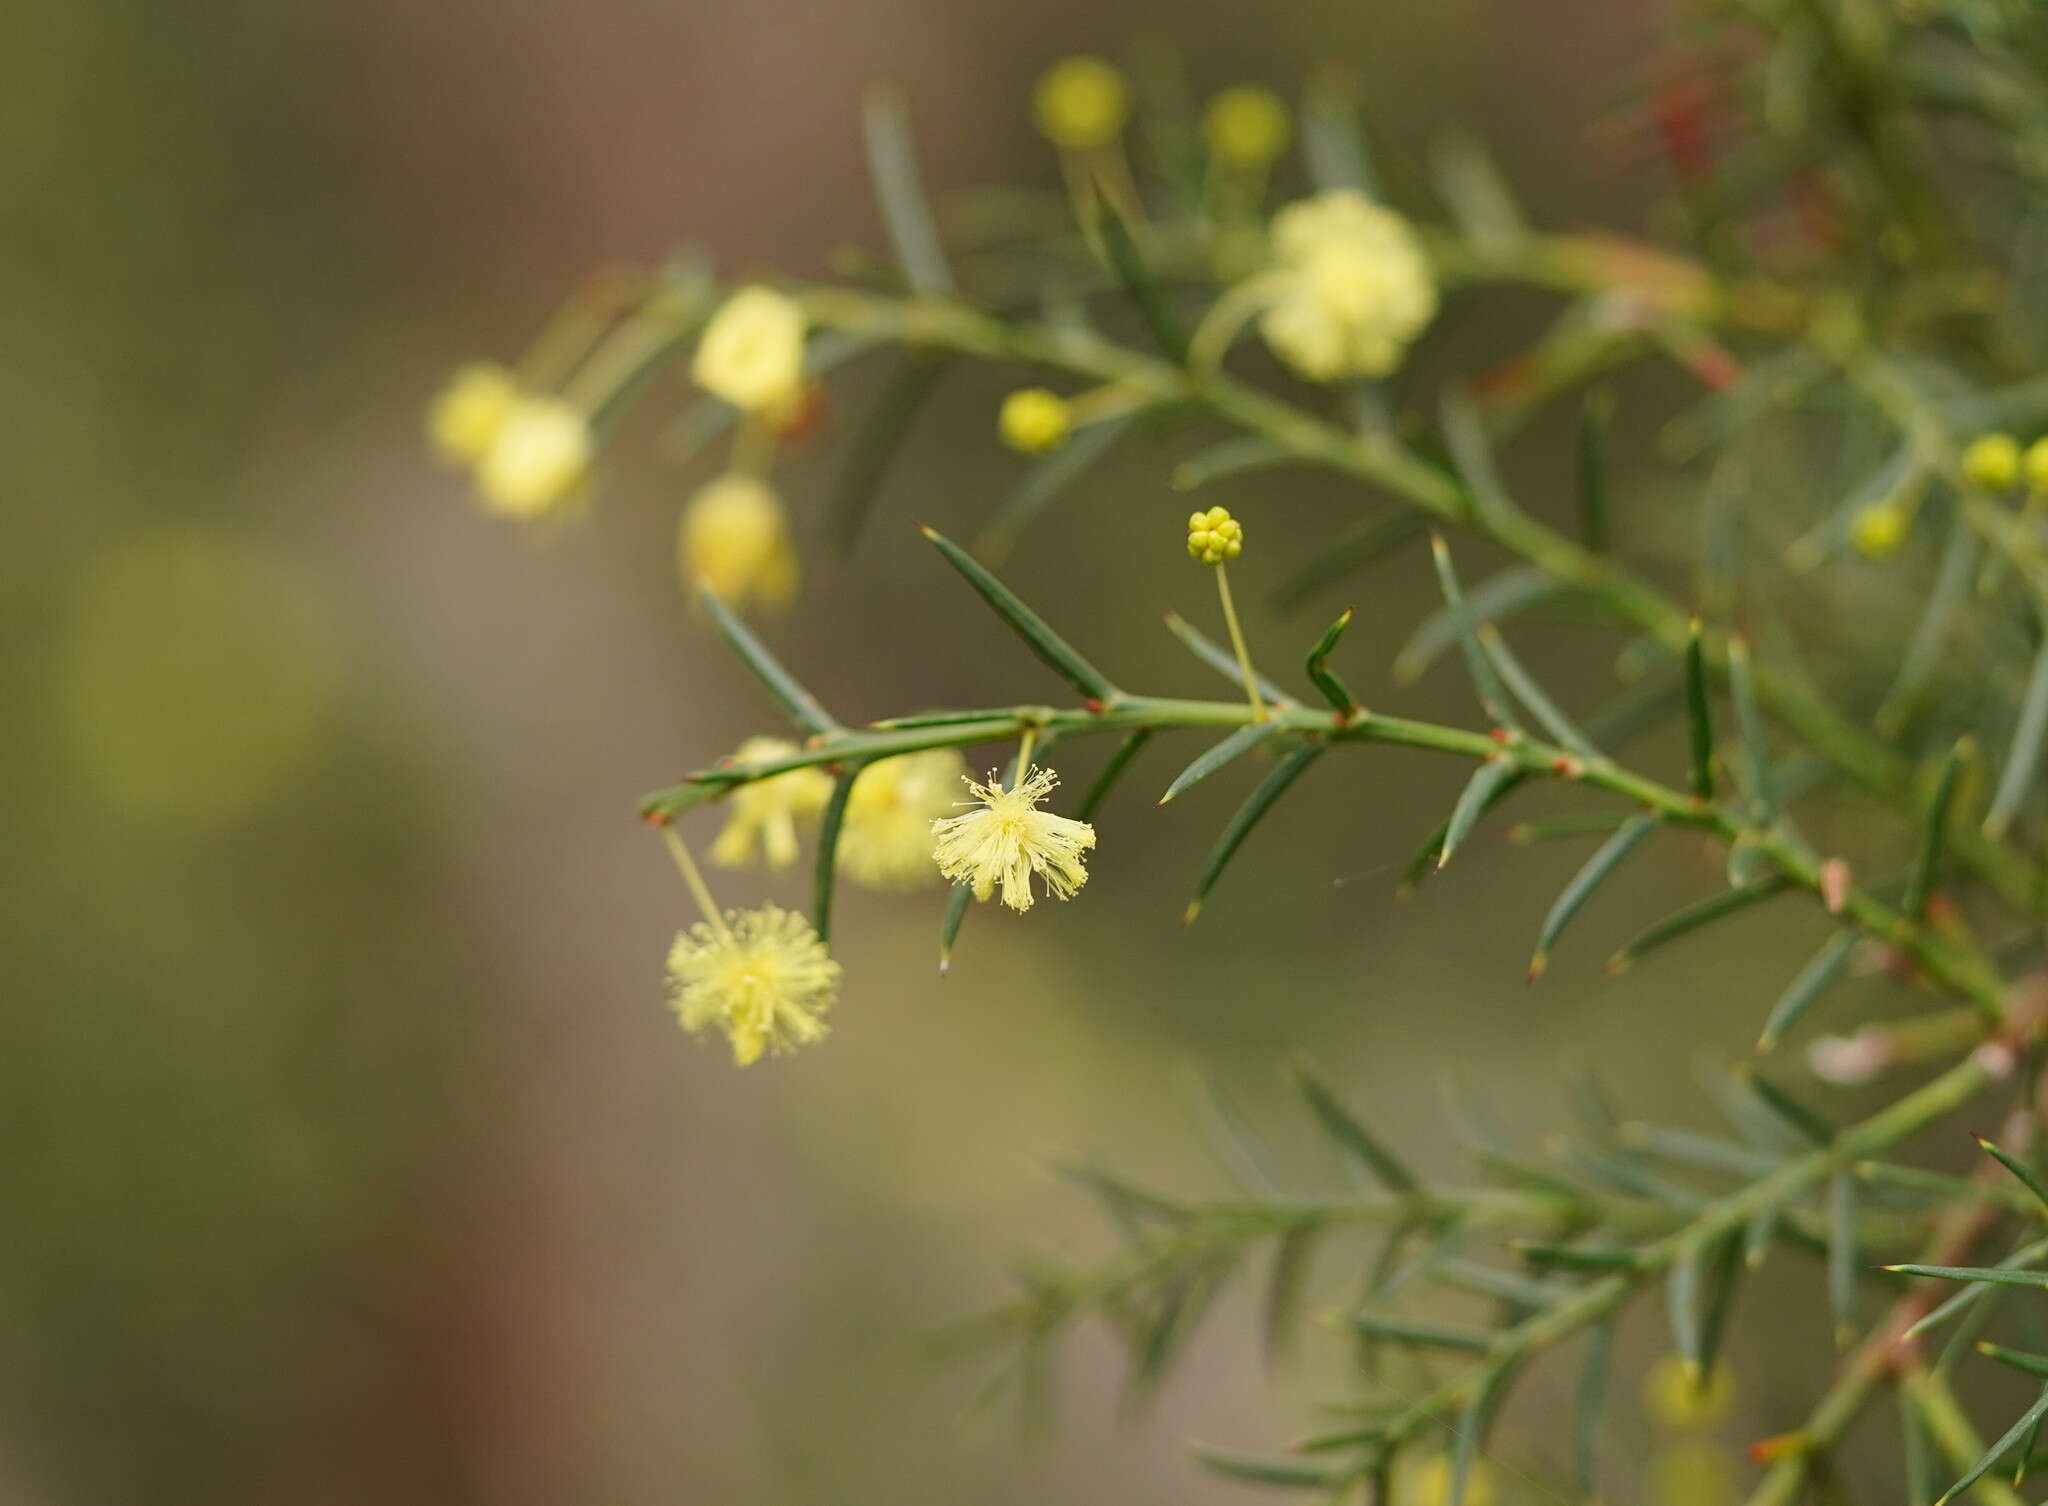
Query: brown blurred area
(351, 1153)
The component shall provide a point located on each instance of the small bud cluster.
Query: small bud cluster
(1214, 536)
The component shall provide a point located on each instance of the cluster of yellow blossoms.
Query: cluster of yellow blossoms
(764, 977)
(1339, 288)
(529, 453)
(1993, 462)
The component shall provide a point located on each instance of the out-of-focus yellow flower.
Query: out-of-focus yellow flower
(1009, 839)
(887, 841)
(1693, 1472)
(1425, 1480)
(1677, 1400)
(466, 416)
(1880, 529)
(734, 538)
(2035, 466)
(1992, 461)
(752, 351)
(1081, 103)
(765, 812)
(1034, 420)
(1214, 536)
(763, 977)
(198, 675)
(1246, 126)
(540, 459)
(1350, 290)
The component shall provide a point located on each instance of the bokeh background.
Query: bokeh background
(350, 1152)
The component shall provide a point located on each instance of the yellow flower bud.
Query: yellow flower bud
(1679, 1400)
(1246, 126)
(1214, 536)
(1992, 461)
(539, 460)
(466, 415)
(1034, 420)
(1081, 103)
(752, 350)
(734, 538)
(2035, 466)
(1880, 529)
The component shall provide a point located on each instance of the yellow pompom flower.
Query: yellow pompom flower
(765, 812)
(734, 539)
(763, 977)
(1425, 1480)
(887, 842)
(1246, 126)
(539, 459)
(1350, 289)
(466, 416)
(1992, 461)
(752, 351)
(1081, 103)
(1034, 420)
(1009, 839)
(2035, 466)
(1678, 1400)
(1214, 536)
(1880, 529)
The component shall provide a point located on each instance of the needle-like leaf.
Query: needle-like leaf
(1243, 740)
(802, 707)
(1290, 768)
(1057, 654)
(1600, 867)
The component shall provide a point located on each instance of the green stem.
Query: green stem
(1237, 644)
(1381, 460)
(1953, 967)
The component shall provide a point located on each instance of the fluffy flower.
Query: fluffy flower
(887, 841)
(765, 813)
(752, 351)
(1034, 420)
(1009, 839)
(466, 416)
(1081, 103)
(1246, 126)
(734, 538)
(764, 978)
(1350, 290)
(539, 460)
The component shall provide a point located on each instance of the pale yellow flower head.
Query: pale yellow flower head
(1350, 289)
(1034, 420)
(887, 841)
(1081, 103)
(752, 351)
(466, 416)
(1880, 529)
(734, 539)
(765, 812)
(1992, 461)
(1009, 839)
(1214, 536)
(539, 461)
(764, 978)
(1679, 1399)
(1246, 126)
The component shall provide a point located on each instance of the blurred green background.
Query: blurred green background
(351, 1153)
